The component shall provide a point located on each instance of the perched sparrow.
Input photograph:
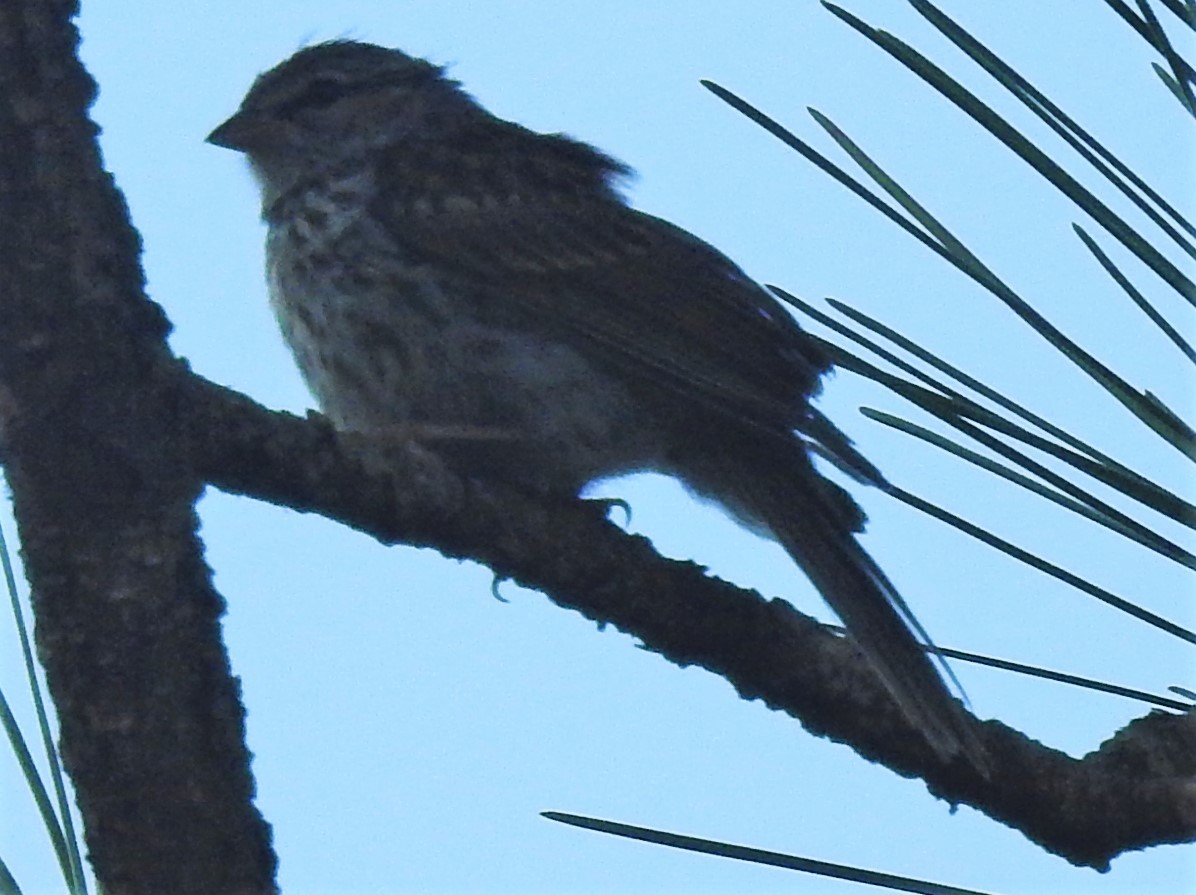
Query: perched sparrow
(430, 263)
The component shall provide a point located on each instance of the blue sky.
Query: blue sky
(408, 727)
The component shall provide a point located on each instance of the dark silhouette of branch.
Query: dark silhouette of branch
(1127, 795)
(127, 621)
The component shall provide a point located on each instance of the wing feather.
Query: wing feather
(536, 223)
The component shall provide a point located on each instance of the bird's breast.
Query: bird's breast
(383, 341)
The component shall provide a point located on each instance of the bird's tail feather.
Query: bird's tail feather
(815, 521)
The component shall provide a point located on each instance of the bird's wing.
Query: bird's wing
(535, 224)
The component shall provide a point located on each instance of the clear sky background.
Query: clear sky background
(407, 727)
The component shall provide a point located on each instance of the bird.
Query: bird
(431, 264)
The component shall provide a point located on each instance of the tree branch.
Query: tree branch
(1087, 811)
(127, 622)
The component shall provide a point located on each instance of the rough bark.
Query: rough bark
(127, 621)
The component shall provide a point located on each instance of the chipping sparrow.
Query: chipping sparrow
(430, 263)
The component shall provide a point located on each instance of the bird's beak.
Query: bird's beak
(243, 132)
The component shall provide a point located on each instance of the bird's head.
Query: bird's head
(336, 102)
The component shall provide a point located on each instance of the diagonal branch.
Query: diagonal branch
(1086, 810)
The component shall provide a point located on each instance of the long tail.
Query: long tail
(815, 521)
